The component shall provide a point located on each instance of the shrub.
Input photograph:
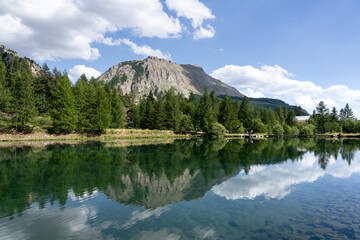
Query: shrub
(216, 130)
(332, 127)
(277, 129)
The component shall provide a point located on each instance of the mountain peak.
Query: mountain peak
(159, 75)
(154, 58)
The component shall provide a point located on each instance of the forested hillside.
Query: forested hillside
(49, 102)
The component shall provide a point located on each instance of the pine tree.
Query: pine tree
(117, 110)
(134, 116)
(45, 88)
(81, 103)
(347, 112)
(63, 114)
(272, 117)
(322, 113)
(4, 91)
(246, 114)
(291, 120)
(334, 115)
(23, 105)
(205, 111)
(228, 114)
(172, 108)
(280, 115)
(148, 120)
(102, 114)
(160, 113)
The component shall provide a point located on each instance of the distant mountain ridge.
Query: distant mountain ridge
(159, 75)
(9, 55)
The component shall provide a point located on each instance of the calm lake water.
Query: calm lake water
(261, 189)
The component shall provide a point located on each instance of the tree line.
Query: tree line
(52, 103)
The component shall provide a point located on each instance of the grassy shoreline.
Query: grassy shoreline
(111, 134)
(129, 134)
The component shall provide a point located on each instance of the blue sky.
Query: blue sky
(299, 51)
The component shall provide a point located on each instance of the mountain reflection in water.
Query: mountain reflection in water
(157, 175)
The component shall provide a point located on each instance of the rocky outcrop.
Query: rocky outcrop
(159, 75)
(8, 56)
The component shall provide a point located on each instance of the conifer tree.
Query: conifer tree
(246, 114)
(205, 111)
(4, 91)
(102, 113)
(63, 114)
(81, 103)
(280, 115)
(160, 113)
(334, 114)
(117, 110)
(228, 114)
(134, 116)
(291, 120)
(23, 104)
(45, 88)
(149, 115)
(272, 117)
(347, 112)
(172, 109)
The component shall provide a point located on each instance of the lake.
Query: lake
(187, 189)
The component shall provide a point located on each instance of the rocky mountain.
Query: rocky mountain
(159, 75)
(9, 55)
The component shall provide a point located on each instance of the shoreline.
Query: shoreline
(135, 134)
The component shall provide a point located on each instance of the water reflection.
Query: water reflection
(155, 176)
(277, 181)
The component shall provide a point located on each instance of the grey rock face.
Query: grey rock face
(159, 75)
(9, 55)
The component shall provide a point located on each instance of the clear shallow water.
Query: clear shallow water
(266, 189)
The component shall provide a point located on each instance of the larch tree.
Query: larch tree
(63, 114)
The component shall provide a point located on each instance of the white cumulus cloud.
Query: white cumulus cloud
(207, 32)
(78, 70)
(197, 12)
(145, 50)
(48, 30)
(274, 81)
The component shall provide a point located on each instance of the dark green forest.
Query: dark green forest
(51, 103)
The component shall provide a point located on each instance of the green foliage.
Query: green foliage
(228, 115)
(307, 129)
(63, 114)
(277, 129)
(138, 67)
(186, 124)
(206, 111)
(258, 126)
(117, 110)
(117, 79)
(332, 127)
(216, 130)
(347, 112)
(246, 114)
(148, 112)
(23, 104)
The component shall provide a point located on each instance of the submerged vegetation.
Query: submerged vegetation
(51, 103)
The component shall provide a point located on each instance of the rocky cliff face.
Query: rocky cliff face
(8, 56)
(159, 75)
